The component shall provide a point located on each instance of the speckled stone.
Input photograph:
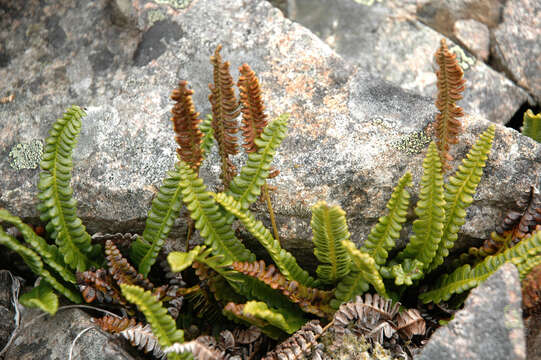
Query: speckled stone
(489, 327)
(351, 135)
(475, 36)
(517, 44)
(388, 41)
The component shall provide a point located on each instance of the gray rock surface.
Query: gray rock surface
(475, 36)
(489, 327)
(9, 316)
(516, 44)
(351, 135)
(42, 337)
(386, 40)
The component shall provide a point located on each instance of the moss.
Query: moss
(354, 347)
(26, 155)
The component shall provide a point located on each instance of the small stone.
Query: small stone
(475, 37)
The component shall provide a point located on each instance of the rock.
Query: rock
(9, 315)
(474, 36)
(516, 46)
(489, 327)
(351, 135)
(43, 337)
(388, 41)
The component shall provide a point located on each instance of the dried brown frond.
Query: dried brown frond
(186, 126)
(100, 286)
(121, 240)
(113, 324)
(121, 270)
(409, 323)
(531, 291)
(311, 300)
(142, 337)
(247, 336)
(450, 85)
(198, 348)
(300, 345)
(225, 110)
(254, 119)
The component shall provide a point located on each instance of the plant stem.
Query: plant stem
(271, 212)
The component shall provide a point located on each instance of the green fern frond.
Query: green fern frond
(384, 234)
(57, 206)
(32, 259)
(208, 135)
(525, 267)
(163, 325)
(532, 125)
(366, 265)
(459, 193)
(465, 278)
(42, 297)
(286, 263)
(179, 261)
(329, 228)
(427, 229)
(276, 317)
(246, 187)
(50, 253)
(351, 285)
(209, 220)
(166, 207)
(406, 272)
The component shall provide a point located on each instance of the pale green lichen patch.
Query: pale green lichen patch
(177, 4)
(26, 155)
(412, 143)
(154, 16)
(354, 347)
(463, 60)
(367, 2)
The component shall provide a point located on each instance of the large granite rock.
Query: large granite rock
(489, 327)
(386, 40)
(351, 135)
(517, 44)
(43, 337)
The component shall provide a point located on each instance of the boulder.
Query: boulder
(388, 40)
(351, 134)
(489, 327)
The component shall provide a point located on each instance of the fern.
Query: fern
(58, 207)
(465, 278)
(246, 187)
(209, 220)
(163, 325)
(208, 135)
(182, 260)
(165, 209)
(283, 259)
(329, 228)
(43, 297)
(532, 125)
(33, 260)
(427, 229)
(459, 193)
(384, 234)
(366, 265)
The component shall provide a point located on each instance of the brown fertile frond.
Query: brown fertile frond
(199, 348)
(254, 119)
(98, 285)
(531, 291)
(144, 339)
(113, 324)
(299, 345)
(225, 110)
(450, 84)
(312, 300)
(186, 126)
(121, 270)
(409, 323)
(246, 336)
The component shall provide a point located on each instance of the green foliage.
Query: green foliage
(166, 207)
(285, 262)
(404, 273)
(427, 229)
(208, 135)
(384, 234)
(329, 229)
(285, 321)
(366, 266)
(532, 125)
(182, 260)
(58, 207)
(246, 187)
(42, 297)
(465, 277)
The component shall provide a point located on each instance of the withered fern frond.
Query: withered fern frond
(121, 270)
(225, 110)
(186, 126)
(254, 118)
(450, 85)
